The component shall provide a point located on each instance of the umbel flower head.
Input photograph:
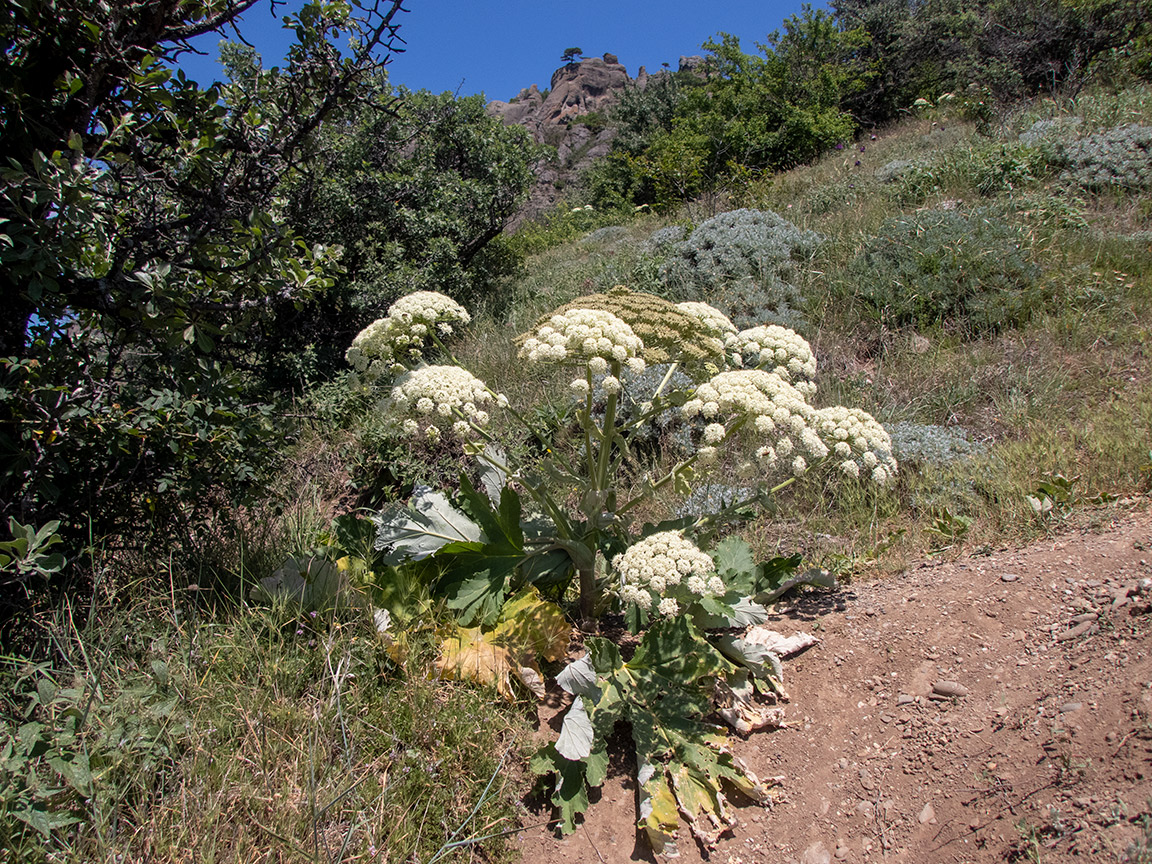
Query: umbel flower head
(665, 570)
(715, 322)
(387, 344)
(432, 401)
(775, 419)
(667, 332)
(859, 443)
(780, 350)
(589, 336)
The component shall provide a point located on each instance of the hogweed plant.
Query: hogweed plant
(560, 526)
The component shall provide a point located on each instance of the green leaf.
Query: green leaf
(736, 564)
(778, 576)
(575, 741)
(546, 569)
(427, 524)
(731, 610)
(579, 679)
(569, 794)
(354, 534)
(665, 691)
(493, 476)
(476, 586)
(673, 649)
(75, 771)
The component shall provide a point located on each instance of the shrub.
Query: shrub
(744, 263)
(1119, 158)
(942, 266)
(1045, 131)
(920, 443)
(663, 239)
(896, 170)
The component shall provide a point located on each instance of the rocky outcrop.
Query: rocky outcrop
(576, 89)
(569, 118)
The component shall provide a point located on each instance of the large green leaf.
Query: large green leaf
(736, 564)
(499, 523)
(428, 523)
(569, 793)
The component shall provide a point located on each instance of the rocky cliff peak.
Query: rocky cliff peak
(578, 89)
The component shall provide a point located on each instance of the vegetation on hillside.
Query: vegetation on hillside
(828, 74)
(260, 604)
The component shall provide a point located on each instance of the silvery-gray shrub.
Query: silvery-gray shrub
(928, 443)
(1119, 158)
(744, 262)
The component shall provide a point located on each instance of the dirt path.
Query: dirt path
(1045, 754)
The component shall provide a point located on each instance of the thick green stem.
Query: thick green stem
(588, 592)
(586, 425)
(608, 434)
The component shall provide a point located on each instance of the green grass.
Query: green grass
(253, 734)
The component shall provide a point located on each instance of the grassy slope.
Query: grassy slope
(235, 733)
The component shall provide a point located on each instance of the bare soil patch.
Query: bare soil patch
(1043, 753)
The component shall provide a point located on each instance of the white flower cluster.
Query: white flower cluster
(385, 345)
(715, 322)
(664, 570)
(780, 350)
(858, 441)
(432, 400)
(778, 419)
(591, 336)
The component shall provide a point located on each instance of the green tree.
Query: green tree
(144, 249)
(417, 188)
(1014, 49)
(571, 55)
(691, 132)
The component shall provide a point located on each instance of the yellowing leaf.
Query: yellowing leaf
(469, 655)
(528, 628)
(703, 805)
(658, 815)
(528, 624)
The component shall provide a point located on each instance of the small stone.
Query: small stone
(1069, 707)
(1087, 616)
(841, 852)
(817, 853)
(1079, 630)
(905, 699)
(949, 689)
(927, 815)
(1008, 577)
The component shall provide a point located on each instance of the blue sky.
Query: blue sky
(498, 48)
